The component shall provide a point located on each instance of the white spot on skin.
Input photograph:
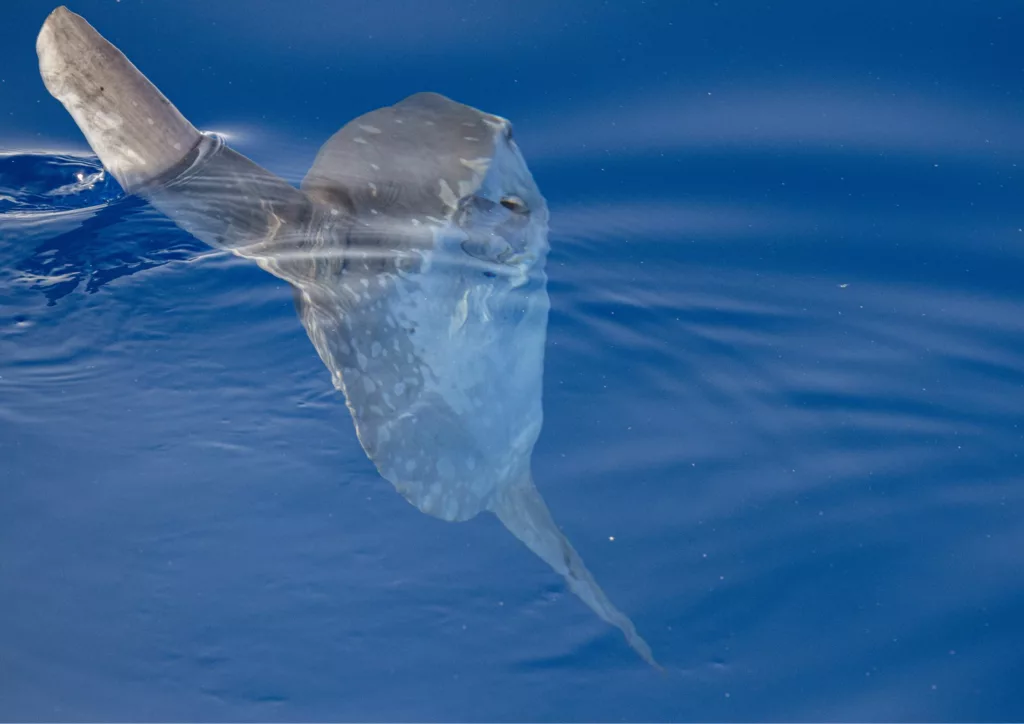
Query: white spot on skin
(375, 349)
(461, 313)
(399, 388)
(410, 465)
(375, 167)
(447, 195)
(360, 139)
(150, 121)
(470, 138)
(497, 123)
(477, 165)
(369, 385)
(361, 360)
(369, 129)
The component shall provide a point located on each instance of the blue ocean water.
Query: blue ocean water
(784, 385)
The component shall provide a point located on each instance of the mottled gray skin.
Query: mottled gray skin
(416, 248)
(423, 295)
(442, 362)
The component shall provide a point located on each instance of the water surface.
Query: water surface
(783, 390)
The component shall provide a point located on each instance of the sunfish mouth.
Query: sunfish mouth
(508, 264)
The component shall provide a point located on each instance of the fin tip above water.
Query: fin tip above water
(137, 133)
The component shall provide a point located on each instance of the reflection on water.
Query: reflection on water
(847, 121)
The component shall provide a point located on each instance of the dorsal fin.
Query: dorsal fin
(210, 190)
(131, 126)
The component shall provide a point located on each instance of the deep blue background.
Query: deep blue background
(785, 373)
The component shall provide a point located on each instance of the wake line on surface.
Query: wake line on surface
(38, 186)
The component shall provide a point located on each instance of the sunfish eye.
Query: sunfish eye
(514, 204)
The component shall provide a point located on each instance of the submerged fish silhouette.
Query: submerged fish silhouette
(416, 249)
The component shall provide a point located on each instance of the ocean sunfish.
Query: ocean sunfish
(416, 248)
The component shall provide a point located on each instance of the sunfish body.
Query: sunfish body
(416, 249)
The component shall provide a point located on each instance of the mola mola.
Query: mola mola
(416, 248)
